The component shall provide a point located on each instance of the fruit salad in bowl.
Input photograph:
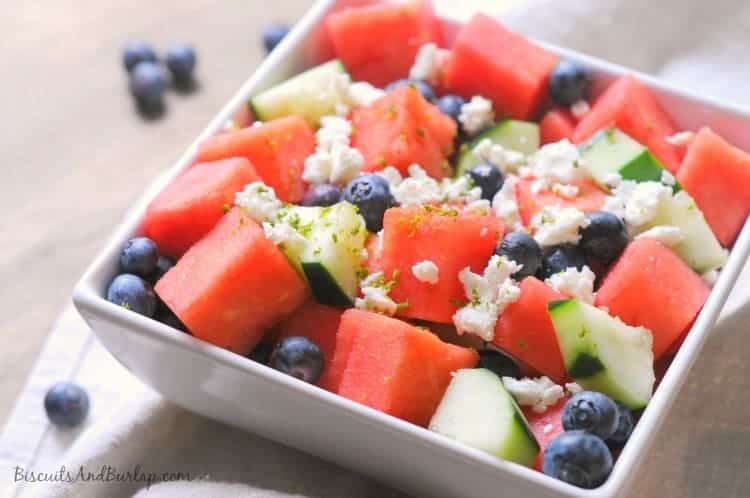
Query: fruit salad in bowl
(456, 231)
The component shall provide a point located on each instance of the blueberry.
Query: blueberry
(451, 105)
(372, 195)
(426, 90)
(273, 34)
(625, 426)
(66, 404)
(604, 238)
(488, 178)
(133, 293)
(324, 194)
(298, 357)
(140, 256)
(559, 258)
(262, 352)
(135, 52)
(163, 265)
(167, 316)
(521, 248)
(569, 83)
(500, 364)
(592, 412)
(181, 61)
(578, 458)
(147, 84)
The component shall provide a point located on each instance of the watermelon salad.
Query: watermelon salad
(457, 235)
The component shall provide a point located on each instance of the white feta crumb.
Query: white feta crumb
(506, 160)
(334, 130)
(555, 225)
(574, 388)
(334, 160)
(710, 277)
(580, 109)
(426, 64)
(426, 271)
(548, 428)
(637, 203)
(284, 235)
(460, 189)
(505, 206)
(669, 235)
(259, 200)
(346, 163)
(668, 178)
(681, 138)
(375, 295)
(578, 284)
(612, 180)
(363, 94)
(419, 188)
(476, 115)
(557, 162)
(539, 393)
(566, 191)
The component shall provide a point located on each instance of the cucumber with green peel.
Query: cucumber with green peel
(520, 136)
(602, 353)
(478, 411)
(311, 94)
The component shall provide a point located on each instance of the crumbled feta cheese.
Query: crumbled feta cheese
(345, 164)
(419, 188)
(557, 162)
(505, 206)
(375, 295)
(334, 130)
(426, 63)
(580, 109)
(612, 179)
(539, 393)
(574, 388)
(284, 235)
(488, 295)
(669, 235)
(508, 161)
(476, 115)
(460, 189)
(681, 138)
(668, 178)
(567, 191)
(362, 94)
(555, 225)
(578, 284)
(426, 271)
(334, 160)
(548, 428)
(259, 200)
(637, 203)
(710, 277)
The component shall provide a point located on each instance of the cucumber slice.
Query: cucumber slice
(311, 94)
(478, 411)
(601, 353)
(329, 261)
(520, 136)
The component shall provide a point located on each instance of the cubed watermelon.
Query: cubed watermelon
(556, 125)
(631, 107)
(505, 67)
(277, 149)
(415, 234)
(233, 285)
(320, 324)
(525, 330)
(395, 367)
(590, 198)
(545, 426)
(373, 247)
(379, 43)
(717, 175)
(401, 129)
(651, 286)
(190, 206)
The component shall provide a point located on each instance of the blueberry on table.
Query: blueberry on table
(163, 265)
(569, 83)
(625, 426)
(604, 238)
(324, 194)
(140, 256)
(559, 258)
(578, 458)
(426, 90)
(372, 196)
(498, 363)
(521, 248)
(488, 178)
(181, 62)
(66, 404)
(133, 293)
(592, 412)
(451, 105)
(273, 34)
(147, 84)
(298, 357)
(135, 52)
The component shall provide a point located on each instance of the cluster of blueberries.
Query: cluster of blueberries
(147, 78)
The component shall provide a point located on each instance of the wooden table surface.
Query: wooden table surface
(75, 154)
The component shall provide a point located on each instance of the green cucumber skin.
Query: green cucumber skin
(324, 288)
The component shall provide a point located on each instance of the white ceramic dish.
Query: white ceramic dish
(227, 387)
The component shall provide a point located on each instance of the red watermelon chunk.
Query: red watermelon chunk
(401, 129)
(545, 426)
(651, 286)
(717, 175)
(590, 198)
(525, 330)
(500, 65)
(233, 285)
(556, 125)
(379, 43)
(277, 149)
(190, 206)
(415, 234)
(395, 367)
(628, 105)
(320, 324)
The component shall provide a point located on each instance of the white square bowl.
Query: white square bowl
(230, 388)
